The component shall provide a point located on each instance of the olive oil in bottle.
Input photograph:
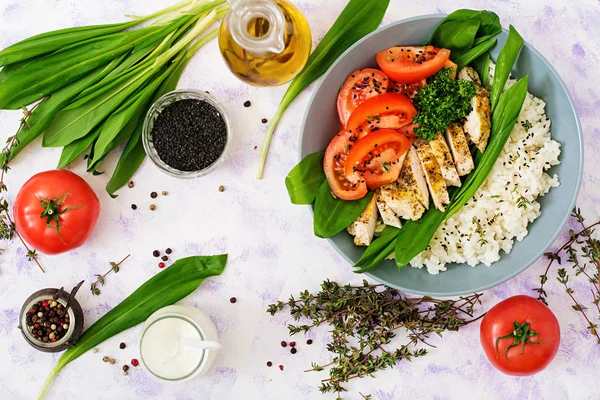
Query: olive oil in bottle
(265, 42)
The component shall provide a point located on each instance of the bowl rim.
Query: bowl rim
(572, 200)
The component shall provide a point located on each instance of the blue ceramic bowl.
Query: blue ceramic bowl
(321, 123)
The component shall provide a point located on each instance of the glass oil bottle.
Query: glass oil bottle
(265, 42)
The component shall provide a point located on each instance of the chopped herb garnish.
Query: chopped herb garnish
(526, 124)
(442, 101)
(523, 203)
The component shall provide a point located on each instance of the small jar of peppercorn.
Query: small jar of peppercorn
(51, 320)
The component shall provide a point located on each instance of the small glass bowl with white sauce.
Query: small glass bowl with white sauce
(164, 356)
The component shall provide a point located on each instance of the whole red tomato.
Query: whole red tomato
(520, 335)
(56, 211)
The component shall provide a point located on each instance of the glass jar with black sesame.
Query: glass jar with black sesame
(186, 133)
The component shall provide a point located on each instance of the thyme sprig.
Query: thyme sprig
(101, 279)
(364, 319)
(583, 251)
(8, 229)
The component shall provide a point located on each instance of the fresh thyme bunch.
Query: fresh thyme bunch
(583, 251)
(363, 320)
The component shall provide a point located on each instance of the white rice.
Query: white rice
(506, 202)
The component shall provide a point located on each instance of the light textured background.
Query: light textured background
(273, 252)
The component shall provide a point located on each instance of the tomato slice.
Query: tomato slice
(334, 165)
(360, 86)
(376, 157)
(410, 90)
(412, 64)
(373, 110)
(450, 64)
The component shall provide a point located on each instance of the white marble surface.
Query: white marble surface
(273, 252)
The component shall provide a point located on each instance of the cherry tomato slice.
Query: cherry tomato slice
(376, 157)
(334, 165)
(410, 90)
(375, 108)
(412, 64)
(360, 86)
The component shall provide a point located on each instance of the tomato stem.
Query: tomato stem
(521, 335)
(52, 211)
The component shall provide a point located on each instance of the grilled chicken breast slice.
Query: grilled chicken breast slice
(457, 142)
(433, 174)
(363, 228)
(444, 158)
(388, 216)
(478, 123)
(408, 197)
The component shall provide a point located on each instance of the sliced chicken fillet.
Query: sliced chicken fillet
(363, 228)
(444, 158)
(388, 216)
(457, 142)
(408, 197)
(478, 123)
(433, 174)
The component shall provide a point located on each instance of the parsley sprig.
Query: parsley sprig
(442, 101)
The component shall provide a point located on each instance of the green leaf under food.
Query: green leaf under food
(165, 288)
(504, 64)
(469, 56)
(464, 29)
(377, 251)
(482, 66)
(359, 18)
(44, 113)
(414, 237)
(332, 215)
(305, 178)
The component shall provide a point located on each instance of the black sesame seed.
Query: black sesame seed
(189, 135)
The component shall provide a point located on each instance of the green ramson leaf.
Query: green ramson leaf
(482, 66)
(442, 101)
(76, 148)
(466, 58)
(305, 178)
(464, 29)
(165, 288)
(333, 215)
(506, 59)
(381, 247)
(359, 18)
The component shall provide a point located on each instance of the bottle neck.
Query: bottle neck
(269, 37)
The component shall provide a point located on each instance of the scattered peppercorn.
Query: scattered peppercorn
(135, 362)
(95, 350)
(130, 184)
(168, 251)
(293, 350)
(112, 361)
(281, 367)
(152, 207)
(47, 321)
(293, 344)
(154, 195)
(247, 104)
(165, 193)
(269, 364)
(133, 207)
(122, 345)
(232, 300)
(255, 147)
(156, 253)
(221, 188)
(125, 368)
(164, 258)
(309, 342)
(161, 265)
(283, 343)
(264, 121)
(105, 358)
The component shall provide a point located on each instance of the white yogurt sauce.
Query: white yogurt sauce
(163, 355)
